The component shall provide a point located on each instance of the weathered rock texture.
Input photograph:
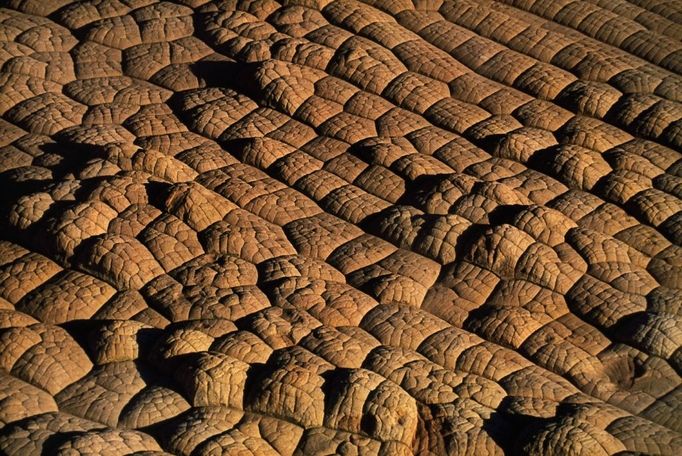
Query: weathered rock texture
(314, 227)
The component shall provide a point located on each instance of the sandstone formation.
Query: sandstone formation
(311, 227)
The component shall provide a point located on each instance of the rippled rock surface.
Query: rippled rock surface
(338, 227)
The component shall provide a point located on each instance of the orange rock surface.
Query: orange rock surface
(312, 227)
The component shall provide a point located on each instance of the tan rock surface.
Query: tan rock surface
(309, 227)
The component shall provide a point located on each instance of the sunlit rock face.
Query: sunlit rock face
(316, 227)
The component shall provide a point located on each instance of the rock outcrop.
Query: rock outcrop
(309, 227)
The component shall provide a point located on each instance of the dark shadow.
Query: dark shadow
(476, 315)
(32, 237)
(509, 428)
(420, 186)
(13, 187)
(83, 250)
(157, 192)
(237, 76)
(505, 213)
(488, 143)
(80, 330)
(255, 376)
(163, 430)
(74, 155)
(505, 429)
(146, 340)
(335, 381)
(542, 160)
(84, 332)
(53, 442)
(614, 114)
(469, 237)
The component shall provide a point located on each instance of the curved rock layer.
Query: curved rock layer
(313, 227)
